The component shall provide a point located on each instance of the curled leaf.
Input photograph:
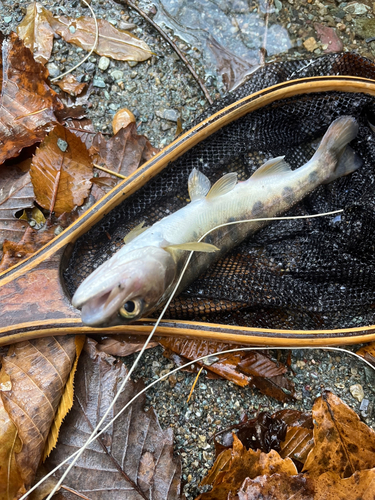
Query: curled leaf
(122, 119)
(61, 171)
(71, 85)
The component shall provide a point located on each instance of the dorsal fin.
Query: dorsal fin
(198, 185)
(223, 185)
(274, 166)
(196, 246)
(136, 231)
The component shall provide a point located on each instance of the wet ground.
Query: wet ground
(160, 91)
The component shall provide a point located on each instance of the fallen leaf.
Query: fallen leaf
(16, 194)
(61, 171)
(232, 467)
(71, 85)
(297, 443)
(233, 69)
(12, 483)
(122, 345)
(112, 42)
(359, 486)
(258, 364)
(278, 487)
(36, 32)
(278, 387)
(134, 454)
(66, 401)
(329, 37)
(368, 352)
(124, 152)
(224, 365)
(101, 186)
(38, 371)
(27, 102)
(14, 253)
(83, 129)
(342, 443)
(122, 119)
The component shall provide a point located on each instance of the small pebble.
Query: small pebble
(356, 391)
(132, 63)
(7, 19)
(103, 63)
(53, 70)
(310, 44)
(117, 74)
(98, 82)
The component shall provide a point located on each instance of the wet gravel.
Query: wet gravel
(158, 92)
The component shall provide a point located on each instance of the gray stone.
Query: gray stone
(7, 19)
(117, 75)
(72, 29)
(103, 63)
(98, 82)
(132, 87)
(53, 70)
(132, 63)
(90, 67)
(123, 25)
(168, 114)
(357, 8)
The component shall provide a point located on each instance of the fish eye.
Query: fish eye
(131, 309)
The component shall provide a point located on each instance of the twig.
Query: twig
(195, 383)
(109, 171)
(74, 492)
(171, 43)
(263, 49)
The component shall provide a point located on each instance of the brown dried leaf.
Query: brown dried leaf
(16, 194)
(84, 129)
(37, 371)
(27, 102)
(14, 253)
(36, 32)
(134, 454)
(278, 387)
(224, 365)
(278, 487)
(233, 69)
(124, 152)
(113, 42)
(71, 85)
(260, 365)
(12, 484)
(359, 486)
(101, 186)
(232, 467)
(297, 444)
(122, 345)
(342, 443)
(61, 171)
(122, 119)
(368, 352)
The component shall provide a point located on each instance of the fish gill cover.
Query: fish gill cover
(299, 274)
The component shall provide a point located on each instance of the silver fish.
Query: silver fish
(140, 277)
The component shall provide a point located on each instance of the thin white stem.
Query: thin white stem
(95, 431)
(186, 365)
(92, 48)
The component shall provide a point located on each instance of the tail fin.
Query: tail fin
(334, 142)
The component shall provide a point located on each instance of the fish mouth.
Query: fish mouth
(101, 309)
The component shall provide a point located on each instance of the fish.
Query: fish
(140, 277)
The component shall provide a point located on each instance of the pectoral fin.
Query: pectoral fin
(196, 246)
(136, 231)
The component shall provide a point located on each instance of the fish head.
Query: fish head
(126, 287)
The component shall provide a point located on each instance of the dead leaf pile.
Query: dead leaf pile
(338, 463)
(244, 368)
(61, 176)
(134, 457)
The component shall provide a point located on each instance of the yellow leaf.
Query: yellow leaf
(66, 401)
(36, 32)
(11, 481)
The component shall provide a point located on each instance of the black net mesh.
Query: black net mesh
(299, 274)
